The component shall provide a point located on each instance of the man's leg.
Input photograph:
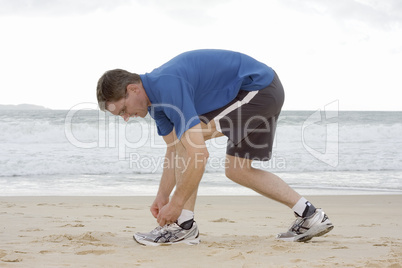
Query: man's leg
(209, 131)
(180, 166)
(185, 230)
(263, 182)
(309, 223)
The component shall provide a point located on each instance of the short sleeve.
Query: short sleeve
(178, 104)
(163, 124)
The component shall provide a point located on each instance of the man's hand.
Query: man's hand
(168, 180)
(191, 157)
(169, 214)
(159, 202)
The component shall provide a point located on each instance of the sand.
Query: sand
(235, 232)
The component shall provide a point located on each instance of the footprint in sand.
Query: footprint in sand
(380, 245)
(11, 257)
(8, 205)
(280, 247)
(32, 230)
(11, 260)
(107, 206)
(341, 247)
(45, 204)
(297, 260)
(73, 225)
(85, 238)
(239, 256)
(95, 252)
(223, 220)
(371, 225)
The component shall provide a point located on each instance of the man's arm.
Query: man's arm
(168, 180)
(191, 158)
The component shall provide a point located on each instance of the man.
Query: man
(200, 95)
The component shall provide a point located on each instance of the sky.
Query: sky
(349, 52)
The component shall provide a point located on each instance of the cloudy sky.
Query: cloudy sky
(52, 52)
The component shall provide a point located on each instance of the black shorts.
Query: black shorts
(249, 121)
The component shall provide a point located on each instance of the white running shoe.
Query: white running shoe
(170, 234)
(303, 229)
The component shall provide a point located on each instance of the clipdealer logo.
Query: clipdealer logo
(324, 121)
(154, 164)
(113, 132)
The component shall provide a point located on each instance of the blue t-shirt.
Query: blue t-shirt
(197, 82)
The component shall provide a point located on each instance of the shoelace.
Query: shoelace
(297, 225)
(162, 228)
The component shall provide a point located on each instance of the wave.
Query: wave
(212, 184)
(46, 143)
(58, 162)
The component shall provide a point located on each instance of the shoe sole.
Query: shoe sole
(314, 232)
(191, 242)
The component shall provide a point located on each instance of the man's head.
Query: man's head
(122, 93)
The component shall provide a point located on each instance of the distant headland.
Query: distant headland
(22, 107)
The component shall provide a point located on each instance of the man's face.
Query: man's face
(134, 104)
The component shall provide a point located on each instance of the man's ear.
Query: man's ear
(132, 87)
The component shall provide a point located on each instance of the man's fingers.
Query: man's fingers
(161, 221)
(155, 212)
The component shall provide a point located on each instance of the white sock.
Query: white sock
(185, 215)
(303, 208)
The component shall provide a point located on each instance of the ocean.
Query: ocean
(89, 152)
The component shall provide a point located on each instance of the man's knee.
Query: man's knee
(179, 148)
(209, 130)
(236, 167)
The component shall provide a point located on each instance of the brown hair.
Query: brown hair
(112, 86)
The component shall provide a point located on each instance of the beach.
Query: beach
(236, 231)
